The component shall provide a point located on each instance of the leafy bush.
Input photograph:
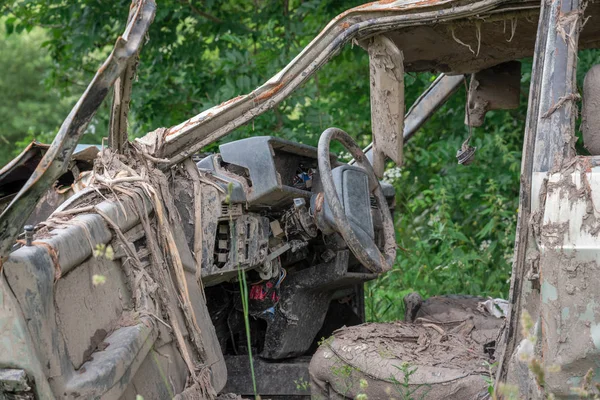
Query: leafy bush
(27, 106)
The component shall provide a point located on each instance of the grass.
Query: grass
(244, 296)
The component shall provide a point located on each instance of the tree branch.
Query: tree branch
(201, 13)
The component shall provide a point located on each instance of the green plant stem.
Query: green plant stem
(243, 293)
(244, 296)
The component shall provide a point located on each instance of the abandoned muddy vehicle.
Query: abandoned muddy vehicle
(146, 276)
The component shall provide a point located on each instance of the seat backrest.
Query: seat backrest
(86, 338)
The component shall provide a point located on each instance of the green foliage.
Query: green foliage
(302, 384)
(344, 380)
(489, 380)
(105, 251)
(403, 387)
(588, 388)
(27, 107)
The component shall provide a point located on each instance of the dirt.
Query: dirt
(590, 123)
(442, 355)
(391, 358)
(96, 344)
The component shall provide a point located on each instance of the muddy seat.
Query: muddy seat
(70, 336)
(442, 351)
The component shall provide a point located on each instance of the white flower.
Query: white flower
(484, 245)
(392, 175)
(345, 156)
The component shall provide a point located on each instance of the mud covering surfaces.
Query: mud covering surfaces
(375, 358)
(444, 352)
(590, 124)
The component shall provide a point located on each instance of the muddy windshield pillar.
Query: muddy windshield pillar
(555, 137)
(548, 147)
(117, 135)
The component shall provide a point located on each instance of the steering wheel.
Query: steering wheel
(364, 248)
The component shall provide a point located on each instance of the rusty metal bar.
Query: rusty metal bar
(56, 160)
(430, 101)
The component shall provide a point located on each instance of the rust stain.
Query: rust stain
(15, 162)
(41, 169)
(229, 101)
(345, 25)
(269, 93)
(428, 3)
(319, 202)
(189, 122)
(53, 255)
(172, 131)
(585, 163)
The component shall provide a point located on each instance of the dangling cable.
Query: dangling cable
(466, 154)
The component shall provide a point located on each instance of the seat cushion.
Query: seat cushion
(444, 354)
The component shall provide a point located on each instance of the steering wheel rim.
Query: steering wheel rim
(378, 262)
